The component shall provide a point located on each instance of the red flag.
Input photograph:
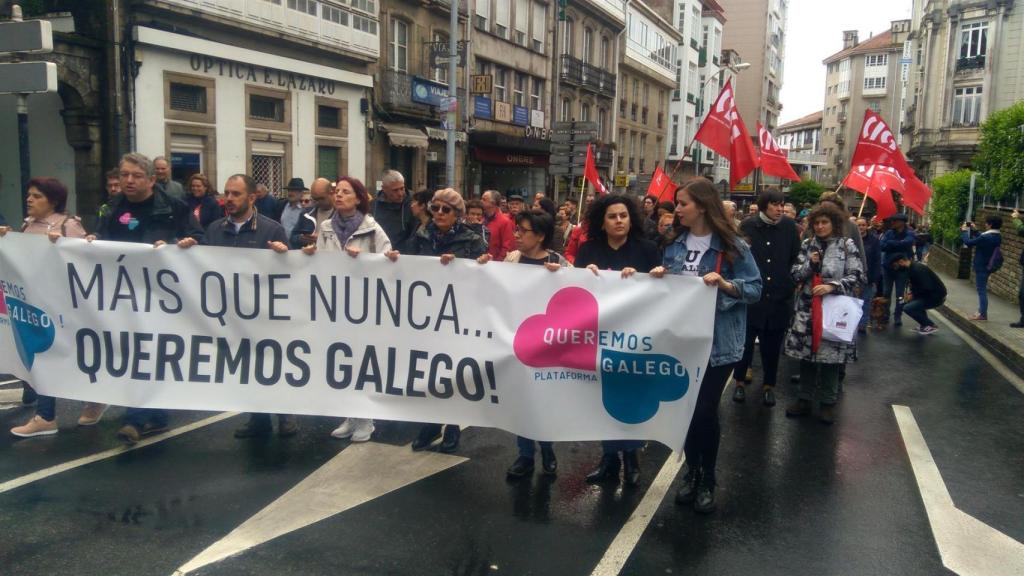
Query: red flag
(877, 145)
(662, 188)
(724, 132)
(817, 315)
(774, 160)
(917, 194)
(590, 173)
(868, 181)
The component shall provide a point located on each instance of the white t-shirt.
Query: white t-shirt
(696, 246)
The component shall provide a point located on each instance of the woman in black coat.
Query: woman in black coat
(202, 201)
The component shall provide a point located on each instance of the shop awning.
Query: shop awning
(406, 136)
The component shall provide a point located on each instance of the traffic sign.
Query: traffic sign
(559, 170)
(25, 37)
(28, 77)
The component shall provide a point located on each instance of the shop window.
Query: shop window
(191, 150)
(189, 98)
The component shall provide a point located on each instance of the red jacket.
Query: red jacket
(502, 240)
(576, 239)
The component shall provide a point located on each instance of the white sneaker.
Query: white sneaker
(363, 429)
(346, 428)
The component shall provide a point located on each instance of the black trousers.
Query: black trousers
(771, 347)
(705, 433)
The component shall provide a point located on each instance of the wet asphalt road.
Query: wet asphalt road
(795, 497)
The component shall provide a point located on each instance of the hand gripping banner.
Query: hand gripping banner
(555, 356)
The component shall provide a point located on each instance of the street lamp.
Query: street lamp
(735, 69)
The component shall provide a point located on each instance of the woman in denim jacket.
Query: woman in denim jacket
(706, 245)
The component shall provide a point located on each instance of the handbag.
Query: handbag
(840, 317)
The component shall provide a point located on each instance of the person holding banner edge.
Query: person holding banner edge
(146, 215)
(45, 204)
(615, 242)
(353, 230)
(449, 239)
(707, 245)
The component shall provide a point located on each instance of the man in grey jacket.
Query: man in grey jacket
(162, 169)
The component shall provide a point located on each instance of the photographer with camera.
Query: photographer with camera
(988, 258)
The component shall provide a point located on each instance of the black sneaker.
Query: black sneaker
(607, 470)
(428, 433)
(548, 463)
(704, 502)
(450, 442)
(688, 491)
(769, 396)
(740, 393)
(522, 467)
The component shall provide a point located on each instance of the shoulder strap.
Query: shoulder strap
(718, 263)
(64, 226)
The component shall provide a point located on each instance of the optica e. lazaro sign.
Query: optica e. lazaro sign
(261, 74)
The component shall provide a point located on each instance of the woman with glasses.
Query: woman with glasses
(448, 238)
(706, 245)
(355, 231)
(534, 233)
(615, 242)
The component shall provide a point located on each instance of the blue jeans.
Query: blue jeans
(981, 282)
(894, 279)
(868, 294)
(918, 310)
(527, 447)
(138, 417)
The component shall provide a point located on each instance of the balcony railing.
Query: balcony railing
(840, 138)
(842, 117)
(332, 24)
(971, 63)
(570, 70)
(806, 158)
(598, 80)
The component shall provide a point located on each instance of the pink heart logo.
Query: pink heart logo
(125, 218)
(565, 336)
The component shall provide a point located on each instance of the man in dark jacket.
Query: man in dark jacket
(775, 244)
(872, 269)
(245, 227)
(391, 209)
(985, 245)
(266, 204)
(927, 292)
(304, 233)
(898, 239)
(145, 215)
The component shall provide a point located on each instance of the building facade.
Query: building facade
(410, 88)
(509, 124)
(863, 75)
(647, 78)
(588, 59)
(966, 64)
(801, 138)
(757, 30)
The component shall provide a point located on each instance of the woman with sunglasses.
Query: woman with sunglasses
(447, 237)
(705, 244)
(353, 230)
(615, 242)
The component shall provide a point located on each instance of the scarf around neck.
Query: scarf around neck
(345, 227)
(767, 220)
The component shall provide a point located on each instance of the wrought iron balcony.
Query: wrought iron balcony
(842, 117)
(570, 70)
(598, 80)
(971, 63)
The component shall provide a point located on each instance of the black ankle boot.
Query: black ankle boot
(704, 502)
(607, 470)
(450, 442)
(547, 461)
(631, 470)
(688, 491)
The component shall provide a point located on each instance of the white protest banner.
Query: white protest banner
(551, 356)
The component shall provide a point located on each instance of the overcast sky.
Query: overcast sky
(814, 32)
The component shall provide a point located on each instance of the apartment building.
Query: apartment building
(863, 75)
(801, 138)
(757, 30)
(647, 78)
(966, 64)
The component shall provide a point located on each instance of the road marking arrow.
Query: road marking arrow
(967, 546)
(337, 486)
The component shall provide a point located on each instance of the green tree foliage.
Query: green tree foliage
(1000, 158)
(806, 191)
(950, 193)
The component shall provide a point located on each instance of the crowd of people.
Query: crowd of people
(772, 270)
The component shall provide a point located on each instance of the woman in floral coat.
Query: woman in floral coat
(835, 259)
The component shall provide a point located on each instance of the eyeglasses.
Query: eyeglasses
(307, 200)
(521, 230)
(435, 208)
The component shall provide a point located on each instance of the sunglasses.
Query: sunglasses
(435, 208)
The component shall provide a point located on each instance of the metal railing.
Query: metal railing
(970, 63)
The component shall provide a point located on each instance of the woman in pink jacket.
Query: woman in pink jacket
(45, 204)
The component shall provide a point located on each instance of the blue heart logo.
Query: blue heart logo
(133, 224)
(633, 386)
(33, 330)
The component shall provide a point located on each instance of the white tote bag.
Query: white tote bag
(840, 316)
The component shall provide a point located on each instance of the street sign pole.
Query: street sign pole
(450, 114)
(23, 152)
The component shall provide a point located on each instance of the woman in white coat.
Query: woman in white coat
(353, 230)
